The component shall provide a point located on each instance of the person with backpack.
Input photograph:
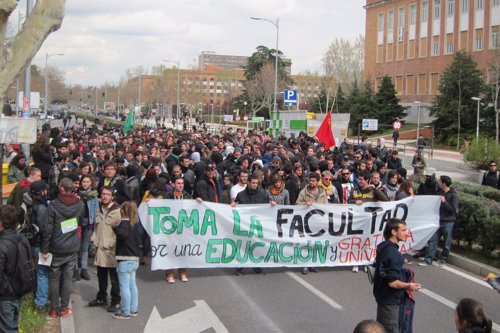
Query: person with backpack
(36, 204)
(10, 300)
(60, 238)
(492, 176)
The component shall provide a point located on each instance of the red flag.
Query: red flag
(324, 133)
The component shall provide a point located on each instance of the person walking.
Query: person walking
(104, 239)
(389, 286)
(127, 256)
(60, 238)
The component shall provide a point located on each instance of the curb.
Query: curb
(471, 266)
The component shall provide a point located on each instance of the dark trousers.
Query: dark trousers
(61, 266)
(102, 277)
(388, 316)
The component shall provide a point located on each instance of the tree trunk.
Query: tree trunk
(17, 52)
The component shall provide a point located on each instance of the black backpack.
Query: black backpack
(23, 280)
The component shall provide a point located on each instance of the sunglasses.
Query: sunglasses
(327, 178)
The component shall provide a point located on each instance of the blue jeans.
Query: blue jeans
(84, 246)
(128, 288)
(42, 280)
(9, 316)
(445, 230)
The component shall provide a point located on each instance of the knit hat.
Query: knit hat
(38, 186)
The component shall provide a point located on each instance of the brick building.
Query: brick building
(413, 41)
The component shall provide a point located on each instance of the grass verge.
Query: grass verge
(29, 320)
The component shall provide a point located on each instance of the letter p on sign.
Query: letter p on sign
(290, 97)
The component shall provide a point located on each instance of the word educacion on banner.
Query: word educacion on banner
(185, 233)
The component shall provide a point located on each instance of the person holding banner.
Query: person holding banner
(177, 194)
(313, 193)
(252, 194)
(277, 192)
(389, 286)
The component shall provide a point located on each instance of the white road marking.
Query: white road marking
(448, 303)
(467, 276)
(314, 290)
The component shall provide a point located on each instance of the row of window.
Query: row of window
(415, 85)
(424, 12)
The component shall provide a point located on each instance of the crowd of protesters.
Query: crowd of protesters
(110, 173)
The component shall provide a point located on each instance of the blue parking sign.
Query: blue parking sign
(290, 97)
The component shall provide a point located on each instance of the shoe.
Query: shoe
(66, 313)
(54, 314)
(314, 270)
(442, 264)
(76, 276)
(98, 302)
(184, 278)
(365, 269)
(134, 313)
(355, 269)
(114, 308)
(418, 255)
(257, 270)
(238, 271)
(305, 270)
(40, 309)
(407, 261)
(120, 315)
(170, 278)
(85, 275)
(424, 263)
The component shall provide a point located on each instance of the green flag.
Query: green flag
(129, 124)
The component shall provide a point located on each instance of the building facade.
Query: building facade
(413, 41)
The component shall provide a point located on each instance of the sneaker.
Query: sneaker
(424, 264)
(76, 276)
(355, 269)
(85, 275)
(238, 271)
(54, 314)
(305, 270)
(407, 261)
(40, 309)
(134, 313)
(114, 308)
(98, 302)
(442, 264)
(314, 269)
(170, 278)
(120, 315)
(257, 270)
(66, 313)
(365, 269)
(184, 278)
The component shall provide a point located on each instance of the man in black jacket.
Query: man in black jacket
(492, 176)
(448, 213)
(60, 238)
(208, 187)
(9, 301)
(252, 194)
(388, 285)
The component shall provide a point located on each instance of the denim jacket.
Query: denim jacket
(92, 205)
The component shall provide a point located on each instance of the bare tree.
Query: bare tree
(260, 89)
(494, 85)
(344, 64)
(18, 50)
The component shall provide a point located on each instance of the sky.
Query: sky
(100, 39)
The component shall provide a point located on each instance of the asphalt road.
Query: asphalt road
(281, 300)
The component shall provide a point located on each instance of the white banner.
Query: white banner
(188, 234)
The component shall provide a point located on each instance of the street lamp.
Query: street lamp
(277, 26)
(178, 63)
(477, 122)
(47, 56)
(418, 118)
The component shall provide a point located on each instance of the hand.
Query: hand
(273, 203)
(199, 200)
(45, 256)
(359, 202)
(414, 286)
(442, 198)
(309, 203)
(233, 204)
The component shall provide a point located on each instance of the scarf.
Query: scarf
(275, 191)
(328, 188)
(87, 194)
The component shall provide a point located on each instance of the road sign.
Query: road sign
(17, 130)
(290, 97)
(369, 124)
(237, 118)
(396, 125)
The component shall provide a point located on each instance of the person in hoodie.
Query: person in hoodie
(448, 213)
(392, 186)
(88, 194)
(389, 286)
(382, 152)
(16, 169)
(60, 238)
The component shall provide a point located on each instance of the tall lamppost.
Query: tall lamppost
(47, 56)
(178, 63)
(478, 99)
(418, 119)
(277, 26)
